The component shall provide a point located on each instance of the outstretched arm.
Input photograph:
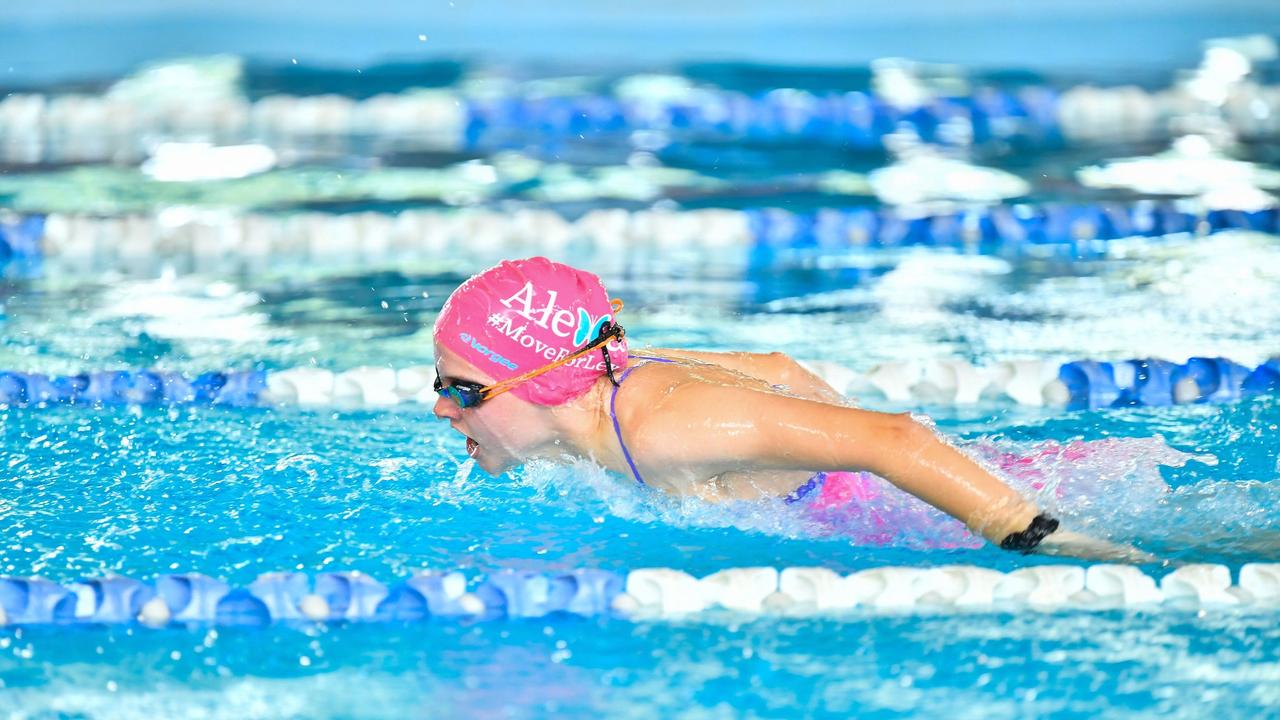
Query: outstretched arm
(722, 428)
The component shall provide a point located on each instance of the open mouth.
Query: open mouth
(472, 447)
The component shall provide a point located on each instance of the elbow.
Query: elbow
(908, 432)
(903, 438)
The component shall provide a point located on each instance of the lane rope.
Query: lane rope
(220, 242)
(1077, 385)
(642, 594)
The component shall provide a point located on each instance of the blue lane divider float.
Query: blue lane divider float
(1134, 383)
(1063, 230)
(133, 387)
(1081, 384)
(766, 236)
(20, 240)
(290, 596)
(649, 593)
(856, 119)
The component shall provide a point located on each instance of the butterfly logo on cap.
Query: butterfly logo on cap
(587, 328)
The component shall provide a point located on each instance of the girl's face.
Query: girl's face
(500, 432)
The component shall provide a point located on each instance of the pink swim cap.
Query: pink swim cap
(522, 314)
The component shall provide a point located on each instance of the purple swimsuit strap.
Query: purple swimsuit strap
(613, 413)
(799, 493)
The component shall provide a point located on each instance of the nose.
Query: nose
(445, 408)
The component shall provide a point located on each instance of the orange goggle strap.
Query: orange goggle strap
(609, 331)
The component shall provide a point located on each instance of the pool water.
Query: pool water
(235, 492)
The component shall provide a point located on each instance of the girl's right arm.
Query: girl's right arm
(718, 428)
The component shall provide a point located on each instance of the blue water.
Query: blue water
(233, 493)
(240, 492)
(1012, 666)
(236, 492)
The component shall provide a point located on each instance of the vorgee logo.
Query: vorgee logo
(492, 356)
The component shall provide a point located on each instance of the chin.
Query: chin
(493, 466)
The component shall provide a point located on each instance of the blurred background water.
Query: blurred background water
(61, 39)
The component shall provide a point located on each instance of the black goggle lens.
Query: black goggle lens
(465, 394)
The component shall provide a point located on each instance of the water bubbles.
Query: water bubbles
(464, 470)
(305, 463)
(457, 492)
(392, 468)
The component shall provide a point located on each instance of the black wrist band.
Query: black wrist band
(1028, 539)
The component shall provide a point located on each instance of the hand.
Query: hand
(1074, 544)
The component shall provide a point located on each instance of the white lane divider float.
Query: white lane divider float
(665, 593)
(1121, 585)
(1200, 585)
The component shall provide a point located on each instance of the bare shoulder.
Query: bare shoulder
(651, 405)
(654, 386)
(665, 410)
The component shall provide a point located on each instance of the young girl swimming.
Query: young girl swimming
(532, 363)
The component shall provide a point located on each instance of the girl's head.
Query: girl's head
(516, 317)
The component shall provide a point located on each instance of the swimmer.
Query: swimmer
(532, 362)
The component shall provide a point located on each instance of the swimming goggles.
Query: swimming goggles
(470, 394)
